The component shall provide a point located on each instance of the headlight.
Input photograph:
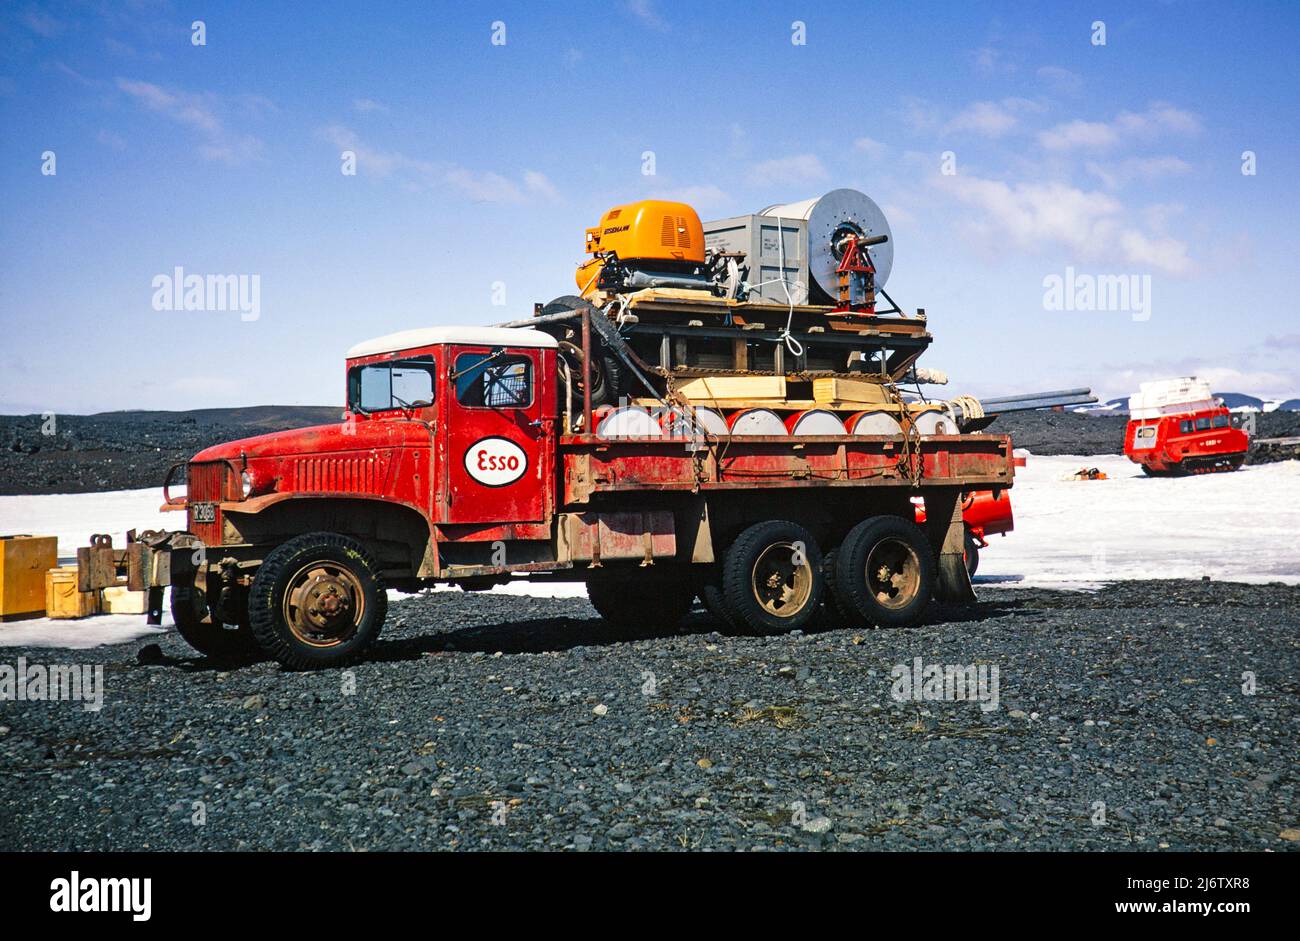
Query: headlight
(247, 480)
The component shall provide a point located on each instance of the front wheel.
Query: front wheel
(317, 601)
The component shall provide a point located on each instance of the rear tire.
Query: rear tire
(638, 599)
(885, 572)
(317, 601)
(972, 554)
(198, 627)
(772, 577)
(714, 601)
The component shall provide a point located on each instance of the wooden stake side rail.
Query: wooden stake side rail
(599, 465)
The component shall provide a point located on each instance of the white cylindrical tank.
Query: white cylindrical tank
(815, 421)
(935, 423)
(678, 424)
(829, 218)
(874, 423)
(756, 421)
(628, 421)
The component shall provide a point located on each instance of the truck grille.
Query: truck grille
(335, 474)
(206, 482)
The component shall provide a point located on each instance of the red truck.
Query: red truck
(463, 458)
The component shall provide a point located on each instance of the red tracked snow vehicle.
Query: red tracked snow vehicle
(1177, 427)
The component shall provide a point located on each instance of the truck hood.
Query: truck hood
(321, 439)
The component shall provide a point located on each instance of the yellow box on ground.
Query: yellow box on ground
(62, 600)
(24, 560)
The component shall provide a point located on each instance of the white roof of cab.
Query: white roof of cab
(429, 336)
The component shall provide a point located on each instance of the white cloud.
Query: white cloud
(1158, 120)
(41, 23)
(537, 182)
(482, 186)
(109, 139)
(368, 105)
(1062, 80)
(703, 196)
(197, 112)
(991, 118)
(1117, 174)
(644, 10)
(869, 146)
(990, 61)
(801, 168)
(1093, 225)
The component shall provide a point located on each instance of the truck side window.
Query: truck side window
(1203, 424)
(402, 383)
(1185, 427)
(1221, 421)
(492, 380)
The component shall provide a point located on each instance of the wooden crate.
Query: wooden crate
(118, 599)
(829, 391)
(62, 600)
(24, 561)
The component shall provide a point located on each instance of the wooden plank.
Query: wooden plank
(849, 391)
(734, 387)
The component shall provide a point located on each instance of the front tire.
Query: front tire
(317, 601)
(772, 577)
(885, 572)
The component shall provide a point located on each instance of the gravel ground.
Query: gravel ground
(496, 722)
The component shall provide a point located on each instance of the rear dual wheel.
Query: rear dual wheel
(772, 578)
(883, 573)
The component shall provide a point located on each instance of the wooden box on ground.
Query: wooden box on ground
(24, 560)
(62, 600)
(118, 599)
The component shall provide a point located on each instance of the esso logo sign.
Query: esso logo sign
(495, 462)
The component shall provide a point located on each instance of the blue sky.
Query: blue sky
(481, 163)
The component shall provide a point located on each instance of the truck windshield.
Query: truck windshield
(400, 383)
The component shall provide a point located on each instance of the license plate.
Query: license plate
(204, 512)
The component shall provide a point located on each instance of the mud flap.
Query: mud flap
(946, 530)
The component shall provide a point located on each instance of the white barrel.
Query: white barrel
(815, 421)
(829, 218)
(707, 421)
(875, 423)
(629, 421)
(935, 423)
(756, 421)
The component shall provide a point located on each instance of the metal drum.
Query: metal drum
(935, 423)
(628, 421)
(756, 421)
(873, 423)
(831, 217)
(815, 421)
(677, 423)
